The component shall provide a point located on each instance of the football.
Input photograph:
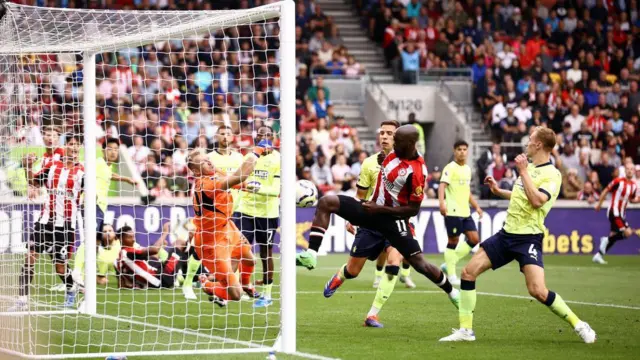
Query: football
(306, 193)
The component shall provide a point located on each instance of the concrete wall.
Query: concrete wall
(443, 125)
(398, 101)
(448, 127)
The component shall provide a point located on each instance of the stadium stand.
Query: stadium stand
(164, 99)
(573, 67)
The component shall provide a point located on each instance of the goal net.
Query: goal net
(105, 247)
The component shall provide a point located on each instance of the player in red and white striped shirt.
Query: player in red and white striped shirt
(64, 181)
(398, 196)
(623, 191)
(140, 267)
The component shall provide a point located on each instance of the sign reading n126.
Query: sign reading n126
(405, 105)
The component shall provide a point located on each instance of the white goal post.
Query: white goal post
(114, 321)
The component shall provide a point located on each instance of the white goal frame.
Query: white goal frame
(285, 10)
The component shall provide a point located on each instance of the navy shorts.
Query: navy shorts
(368, 244)
(397, 231)
(502, 248)
(258, 229)
(457, 225)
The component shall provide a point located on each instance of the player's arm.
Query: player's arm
(474, 203)
(441, 191)
(245, 170)
(495, 189)
(603, 194)
(364, 182)
(537, 197)
(445, 180)
(117, 177)
(161, 242)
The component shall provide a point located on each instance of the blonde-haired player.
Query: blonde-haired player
(531, 199)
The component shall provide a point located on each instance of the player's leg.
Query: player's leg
(405, 269)
(346, 207)
(226, 285)
(368, 244)
(380, 261)
(242, 257)
(265, 243)
(385, 288)
(479, 263)
(454, 229)
(620, 230)
(493, 254)
(399, 234)
(63, 238)
(534, 276)
(405, 275)
(193, 264)
(348, 271)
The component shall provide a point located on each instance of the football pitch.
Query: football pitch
(508, 323)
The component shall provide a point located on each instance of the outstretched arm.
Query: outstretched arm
(246, 168)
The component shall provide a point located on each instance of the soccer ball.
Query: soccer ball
(306, 193)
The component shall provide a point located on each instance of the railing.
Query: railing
(347, 90)
(461, 105)
(376, 90)
(463, 74)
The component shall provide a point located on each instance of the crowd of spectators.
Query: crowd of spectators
(163, 99)
(573, 66)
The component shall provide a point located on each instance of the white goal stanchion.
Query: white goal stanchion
(162, 83)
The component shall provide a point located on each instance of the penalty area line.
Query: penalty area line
(313, 356)
(354, 292)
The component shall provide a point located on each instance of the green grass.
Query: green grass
(509, 328)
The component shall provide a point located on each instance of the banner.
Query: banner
(570, 230)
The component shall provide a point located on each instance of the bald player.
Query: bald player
(397, 197)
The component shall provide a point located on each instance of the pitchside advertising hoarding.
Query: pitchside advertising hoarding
(570, 230)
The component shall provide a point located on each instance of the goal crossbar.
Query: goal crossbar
(23, 35)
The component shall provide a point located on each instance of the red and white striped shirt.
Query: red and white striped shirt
(622, 190)
(134, 262)
(47, 160)
(64, 187)
(400, 181)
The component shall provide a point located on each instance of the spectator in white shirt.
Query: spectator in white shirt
(321, 173)
(507, 56)
(522, 112)
(574, 118)
(340, 170)
(139, 152)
